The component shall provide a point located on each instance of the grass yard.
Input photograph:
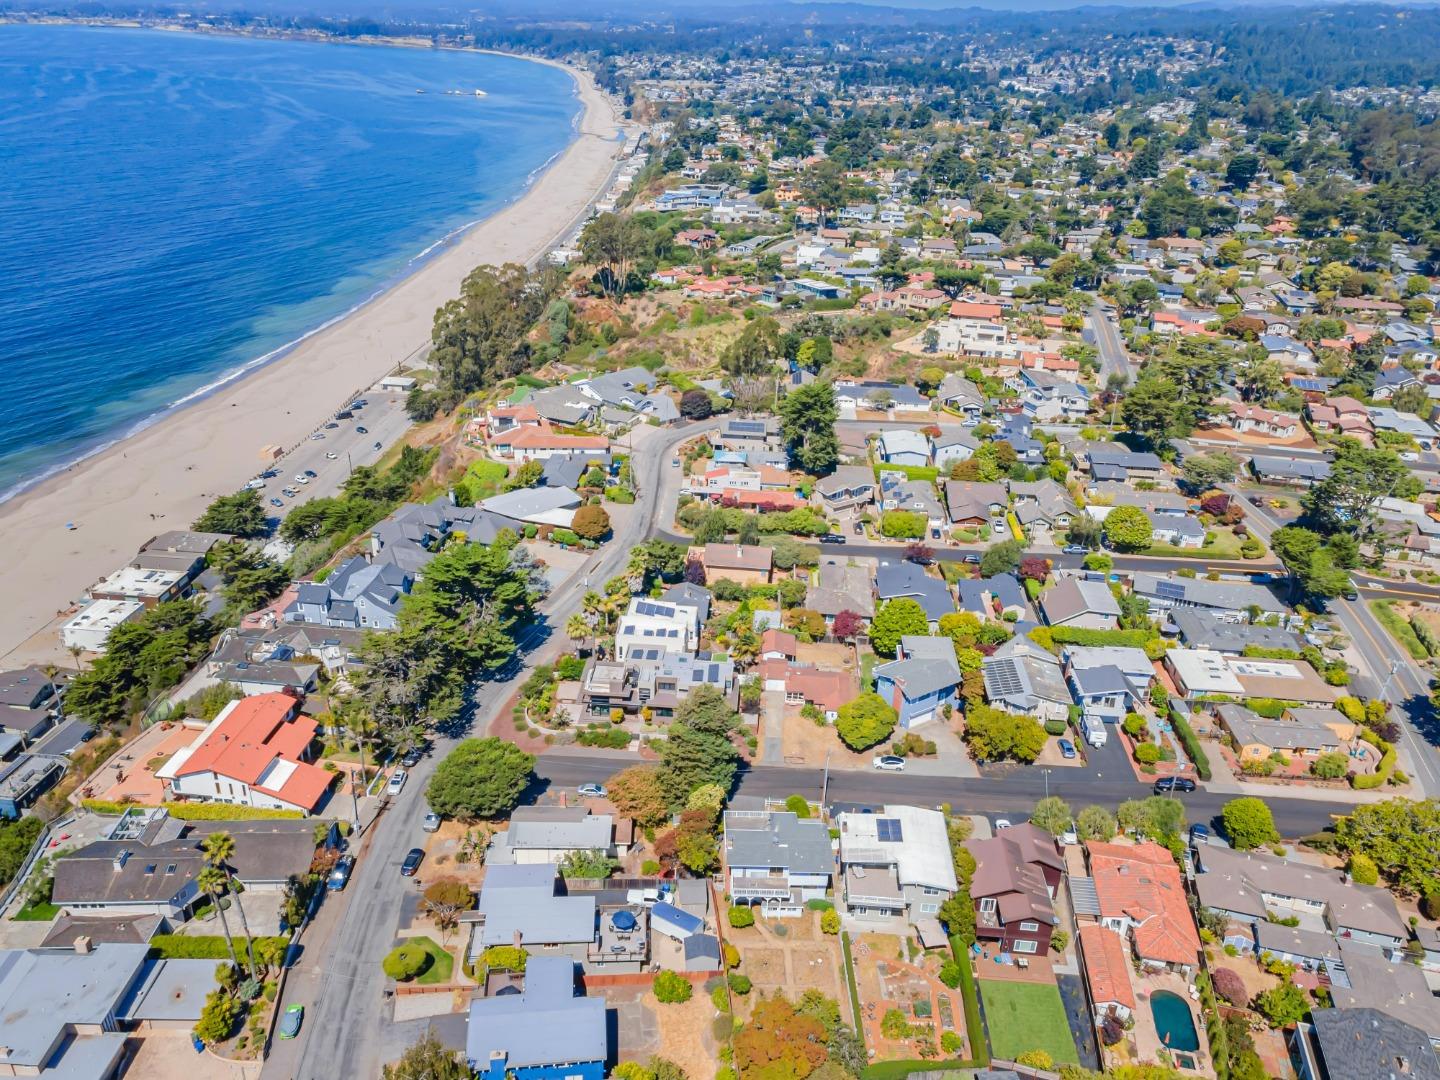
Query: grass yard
(1226, 545)
(483, 478)
(441, 963)
(1026, 1016)
(36, 913)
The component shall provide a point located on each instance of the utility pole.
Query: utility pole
(825, 782)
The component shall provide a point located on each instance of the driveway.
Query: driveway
(1077, 1012)
(169, 1055)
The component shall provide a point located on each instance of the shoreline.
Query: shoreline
(162, 471)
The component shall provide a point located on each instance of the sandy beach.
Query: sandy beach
(173, 469)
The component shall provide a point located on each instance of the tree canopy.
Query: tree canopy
(897, 618)
(807, 421)
(240, 514)
(480, 778)
(865, 721)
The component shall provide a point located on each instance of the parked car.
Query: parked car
(432, 822)
(277, 502)
(331, 426)
(832, 538)
(889, 763)
(1076, 549)
(330, 455)
(412, 862)
(1199, 834)
(340, 873)
(1002, 823)
(674, 463)
(1067, 749)
(301, 478)
(256, 484)
(317, 436)
(592, 791)
(291, 1021)
(361, 430)
(412, 756)
(1256, 500)
(1070, 837)
(311, 473)
(1174, 784)
(397, 783)
(972, 558)
(859, 528)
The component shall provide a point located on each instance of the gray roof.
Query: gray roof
(626, 387)
(1397, 989)
(1101, 682)
(1201, 630)
(522, 899)
(559, 827)
(1295, 940)
(685, 594)
(41, 993)
(893, 579)
(1289, 468)
(1023, 674)
(27, 688)
(529, 502)
(779, 839)
(1199, 592)
(545, 1024)
(169, 990)
(1367, 1042)
(929, 666)
(841, 587)
(1072, 597)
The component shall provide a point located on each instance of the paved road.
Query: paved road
(338, 979)
(1114, 360)
(384, 420)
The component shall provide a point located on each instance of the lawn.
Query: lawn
(1026, 1016)
(483, 478)
(1226, 545)
(441, 963)
(36, 913)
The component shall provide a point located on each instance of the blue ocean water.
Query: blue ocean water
(174, 207)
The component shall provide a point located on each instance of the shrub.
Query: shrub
(1058, 940)
(1035, 1059)
(1362, 869)
(504, 958)
(217, 1018)
(951, 1043)
(1055, 727)
(798, 805)
(741, 916)
(404, 962)
(1193, 750)
(1330, 766)
(1229, 985)
(720, 999)
(950, 974)
(1134, 725)
(830, 922)
(672, 988)
(739, 983)
(1147, 753)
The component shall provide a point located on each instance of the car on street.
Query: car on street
(301, 478)
(412, 757)
(330, 455)
(412, 862)
(256, 484)
(277, 502)
(311, 473)
(397, 783)
(674, 463)
(1002, 823)
(290, 1022)
(592, 791)
(289, 491)
(859, 528)
(832, 538)
(972, 558)
(269, 474)
(1174, 784)
(431, 823)
(1256, 500)
(317, 436)
(1076, 549)
(889, 763)
(1067, 749)
(331, 426)
(1352, 593)
(362, 431)
(359, 403)
(340, 873)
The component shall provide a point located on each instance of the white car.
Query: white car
(1409, 455)
(290, 491)
(397, 783)
(256, 484)
(888, 763)
(1002, 823)
(330, 455)
(302, 479)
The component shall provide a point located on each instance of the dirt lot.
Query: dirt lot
(885, 981)
(790, 955)
(827, 655)
(686, 1033)
(806, 743)
(168, 1055)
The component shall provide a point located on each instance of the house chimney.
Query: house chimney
(517, 939)
(82, 945)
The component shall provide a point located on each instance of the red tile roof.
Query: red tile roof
(250, 737)
(1141, 882)
(1107, 966)
(964, 309)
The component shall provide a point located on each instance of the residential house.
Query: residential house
(961, 395)
(775, 861)
(804, 684)
(1362, 1042)
(896, 863)
(1256, 738)
(148, 862)
(358, 594)
(1141, 895)
(650, 679)
(525, 443)
(903, 446)
(89, 629)
(841, 586)
(547, 834)
(1043, 507)
(1201, 630)
(1111, 461)
(1229, 601)
(745, 564)
(1293, 472)
(993, 598)
(847, 492)
(1107, 972)
(256, 752)
(261, 661)
(1342, 416)
(911, 496)
(1017, 872)
(758, 435)
(954, 446)
(1022, 677)
(671, 627)
(852, 396)
(1084, 604)
(1199, 671)
(536, 506)
(896, 579)
(31, 701)
(921, 680)
(1049, 398)
(1255, 420)
(519, 904)
(543, 1032)
(1396, 988)
(976, 505)
(1103, 693)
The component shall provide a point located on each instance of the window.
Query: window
(1029, 927)
(929, 909)
(987, 905)
(931, 891)
(1025, 947)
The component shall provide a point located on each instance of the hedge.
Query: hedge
(1400, 630)
(970, 996)
(1193, 750)
(185, 811)
(854, 990)
(204, 947)
(1077, 635)
(912, 472)
(1380, 776)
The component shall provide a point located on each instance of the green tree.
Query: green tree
(615, 243)
(755, 351)
(591, 522)
(672, 988)
(1362, 869)
(212, 882)
(1312, 562)
(638, 792)
(141, 659)
(1346, 499)
(1241, 169)
(429, 1059)
(219, 849)
(901, 617)
(480, 336)
(480, 778)
(1096, 823)
(807, 421)
(1001, 558)
(995, 735)
(865, 721)
(404, 962)
(1128, 529)
(1330, 766)
(903, 525)
(1248, 823)
(241, 514)
(1052, 814)
(526, 476)
(1283, 1005)
(1401, 836)
(217, 1018)
(698, 749)
(1201, 472)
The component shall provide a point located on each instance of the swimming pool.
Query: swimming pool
(1173, 1022)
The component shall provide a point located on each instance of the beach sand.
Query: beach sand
(174, 468)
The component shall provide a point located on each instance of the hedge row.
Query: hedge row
(186, 811)
(1380, 776)
(1077, 635)
(198, 947)
(970, 996)
(1193, 749)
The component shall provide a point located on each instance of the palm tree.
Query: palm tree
(212, 881)
(577, 628)
(218, 848)
(76, 651)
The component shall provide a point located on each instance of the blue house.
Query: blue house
(922, 679)
(544, 1032)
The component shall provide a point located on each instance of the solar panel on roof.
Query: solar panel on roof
(714, 672)
(888, 830)
(1170, 590)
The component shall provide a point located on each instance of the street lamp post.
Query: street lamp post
(1047, 782)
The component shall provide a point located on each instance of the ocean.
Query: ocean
(176, 209)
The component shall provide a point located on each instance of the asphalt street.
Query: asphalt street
(1114, 360)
